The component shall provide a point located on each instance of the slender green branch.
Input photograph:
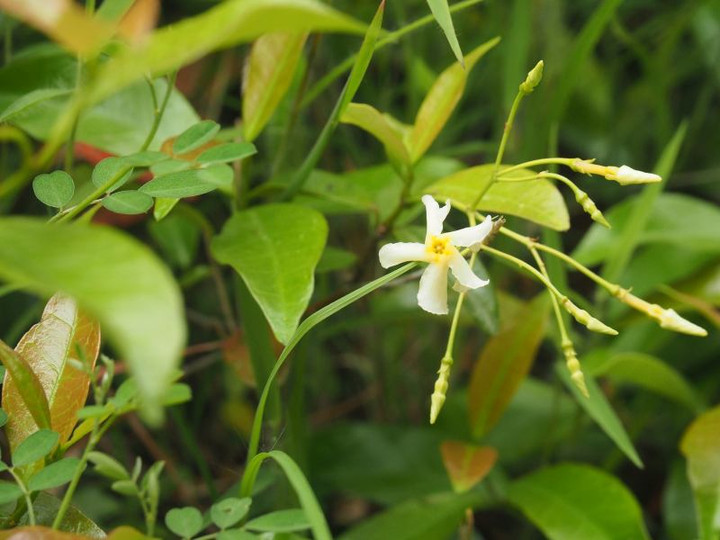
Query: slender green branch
(26, 495)
(159, 111)
(89, 199)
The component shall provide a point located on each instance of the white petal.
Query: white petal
(464, 274)
(400, 252)
(435, 215)
(432, 294)
(469, 236)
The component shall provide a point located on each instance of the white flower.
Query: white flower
(441, 252)
(627, 175)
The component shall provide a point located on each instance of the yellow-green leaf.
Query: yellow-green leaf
(441, 12)
(268, 74)
(467, 464)
(386, 130)
(63, 336)
(441, 100)
(504, 362)
(536, 200)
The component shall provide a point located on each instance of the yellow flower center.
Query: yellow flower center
(438, 248)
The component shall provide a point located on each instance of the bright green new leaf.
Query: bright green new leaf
(224, 25)
(64, 336)
(504, 363)
(225, 153)
(146, 158)
(163, 206)
(280, 521)
(54, 475)
(31, 99)
(189, 183)
(568, 502)
(228, 512)
(600, 410)
(268, 74)
(441, 100)
(701, 446)
(275, 249)
(128, 202)
(535, 200)
(185, 522)
(113, 277)
(108, 466)
(35, 447)
(374, 122)
(441, 12)
(54, 189)
(195, 136)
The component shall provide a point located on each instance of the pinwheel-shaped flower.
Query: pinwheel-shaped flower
(440, 250)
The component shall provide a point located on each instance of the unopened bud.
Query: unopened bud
(587, 320)
(437, 400)
(666, 318)
(589, 206)
(533, 78)
(573, 365)
(628, 176)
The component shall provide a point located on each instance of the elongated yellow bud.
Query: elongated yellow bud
(587, 320)
(666, 318)
(437, 400)
(533, 78)
(573, 365)
(589, 206)
(623, 175)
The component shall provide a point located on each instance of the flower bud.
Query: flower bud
(573, 365)
(589, 206)
(533, 78)
(628, 176)
(666, 318)
(437, 400)
(587, 320)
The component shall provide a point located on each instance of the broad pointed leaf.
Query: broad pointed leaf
(441, 11)
(377, 124)
(275, 249)
(63, 336)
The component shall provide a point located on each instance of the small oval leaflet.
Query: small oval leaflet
(146, 158)
(281, 521)
(185, 522)
(9, 492)
(55, 189)
(128, 202)
(54, 475)
(190, 183)
(195, 136)
(35, 447)
(227, 152)
(109, 169)
(228, 512)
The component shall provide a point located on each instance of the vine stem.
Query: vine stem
(159, 112)
(26, 494)
(543, 161)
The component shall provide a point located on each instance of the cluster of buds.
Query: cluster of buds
(573, 366)
(666, 318)
(624, 175)
(437, 400)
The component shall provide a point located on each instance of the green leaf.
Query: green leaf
(54, 475)
(64, 336)
(114, 170)
(195, 136)
(108, 466)
(185, 522)
(504, 363)
(647, 372)
(467, 464)
(35, 447)
(275, 249)
(280, 521)
(268, 73)
(678, 508)
(128, 202)
(224, 25)
(9, 492)
(75, 522)
(567, 502)
(27, 384)
(125, 487)
(379, 126)
(163, 206)
(600, 410)
(146, 158)
(433, 517)
(30, 100)
(441, 100)
(335, 259)
(178, 393)
(113, 277)
(536, 200)
(228, 512)
(700, 445)
(441, 12)
(224, 153)
(189, 183)
(54, 189)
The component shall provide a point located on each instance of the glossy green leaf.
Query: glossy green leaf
(64, 336)
(504, 362)
(189, 183)
(35, 447)
(113, 277)
(374, 122)
(600, 410)
(700, 445)
(568, 502)
(441, 12)
(280, 521)
(536, 200)
(228, 512)
(9, 492)
(146, 158)
(128, 202)
(225, 153)
(108, 466)
(195, 136)
(269, 71)
(30, 100)
(114, 170)
(275, 249)
(224, 25)
(28, 386)
(441, 100)
(54, 475)
(185, 522)
(54, 189)
(119, 124)
(647, 372)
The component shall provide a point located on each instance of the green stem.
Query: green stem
(26, 494)
(535, 162)
(159, 112)
(89, 199)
